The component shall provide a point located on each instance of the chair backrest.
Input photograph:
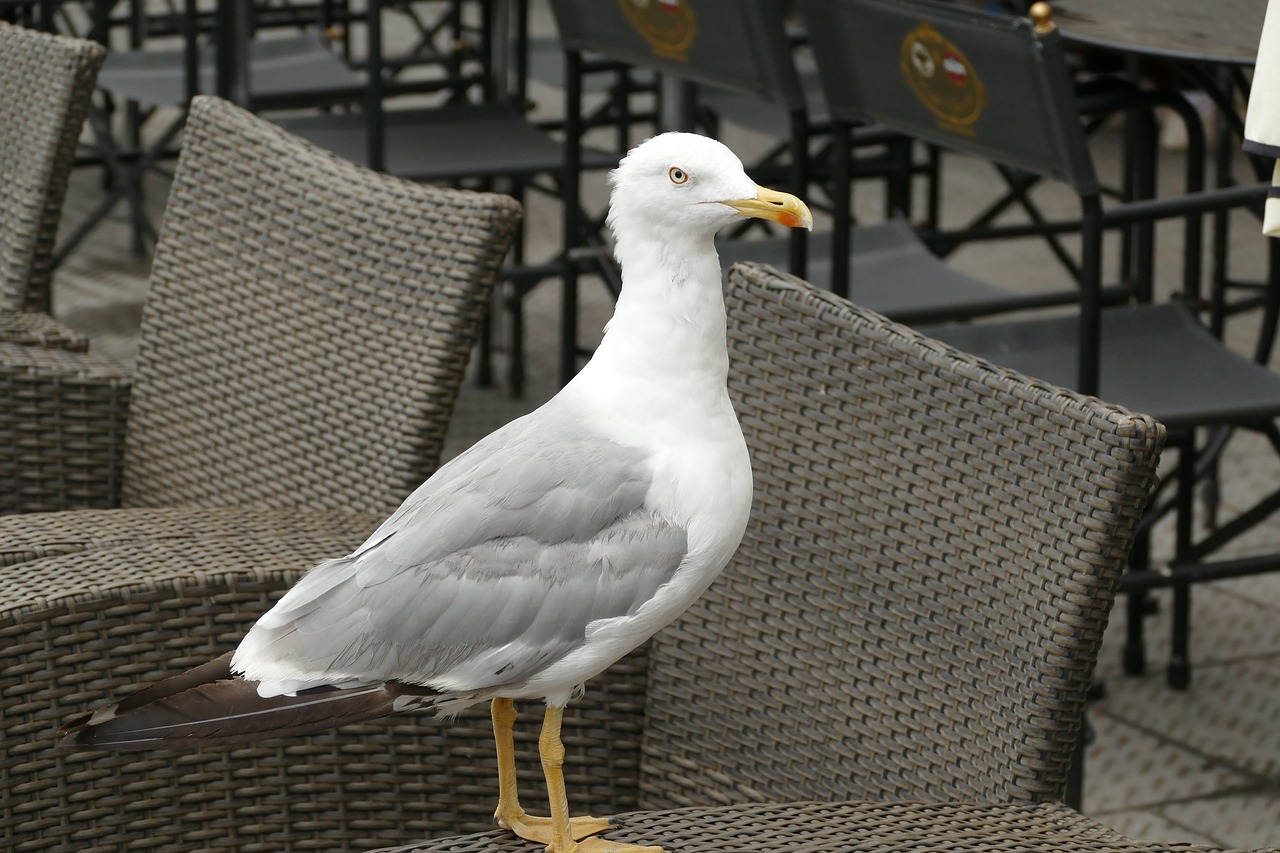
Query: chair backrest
(46, 82)
(989, 85)
(917, 606)
(738, 46)
(308, 324)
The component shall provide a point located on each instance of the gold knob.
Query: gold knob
(1042, 17)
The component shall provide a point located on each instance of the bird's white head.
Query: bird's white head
(689, 184)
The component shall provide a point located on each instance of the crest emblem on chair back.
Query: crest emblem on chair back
(988, 85)
(668, 25)
(943, 79)
(738, 46)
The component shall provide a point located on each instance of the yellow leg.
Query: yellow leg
(562, 841)
(509, 814)
(503, 712)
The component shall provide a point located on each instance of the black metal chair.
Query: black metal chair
(998, 87)
(490, 142)
(744, 49)
(172, 55)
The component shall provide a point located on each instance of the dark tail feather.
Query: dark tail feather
(209, 706)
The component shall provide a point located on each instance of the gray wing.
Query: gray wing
(491, 571)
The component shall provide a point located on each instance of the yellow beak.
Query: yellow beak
(782, 208)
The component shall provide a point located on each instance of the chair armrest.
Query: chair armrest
(62, 425)
(39, 330)
(96, 602)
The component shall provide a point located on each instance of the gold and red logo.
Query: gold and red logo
(942, 77)
(667, 25)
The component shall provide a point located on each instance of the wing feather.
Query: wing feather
(489, 572)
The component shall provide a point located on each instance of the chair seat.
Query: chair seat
(28, 537)
(1156, 359)
(447, 143)
(298, 65)
(851, 827)
(893, 273)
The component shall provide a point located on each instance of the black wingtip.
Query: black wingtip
(208, 706)
(82, 732)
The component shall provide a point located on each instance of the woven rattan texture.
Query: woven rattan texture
(40, 330)
(314, 316)
(851, 827)
(917, 606)
(45, 85)
(62, 426)
(95, 603)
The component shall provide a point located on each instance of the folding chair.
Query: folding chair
(744, 48)
(136, 82)
(491, 142)
(998, 88)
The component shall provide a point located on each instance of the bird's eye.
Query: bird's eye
(678, 175)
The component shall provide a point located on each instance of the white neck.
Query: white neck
(671, 311)
(666, 343)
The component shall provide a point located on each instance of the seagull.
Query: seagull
(547, 551)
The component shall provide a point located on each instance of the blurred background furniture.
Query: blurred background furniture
(745, 51)
(1153, 358)
(484, 140)
(47, 82)
(162, 56)
(1179, 29)
(1207, 54)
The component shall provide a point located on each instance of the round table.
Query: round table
(1216, 31)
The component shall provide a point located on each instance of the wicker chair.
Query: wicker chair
(47, 82)
(914, 613)
(918, 603)
(314, 316)
(307, 331)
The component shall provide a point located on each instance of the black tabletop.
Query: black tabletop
(1204, 30)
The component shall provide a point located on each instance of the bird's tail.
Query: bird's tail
(209, 706)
